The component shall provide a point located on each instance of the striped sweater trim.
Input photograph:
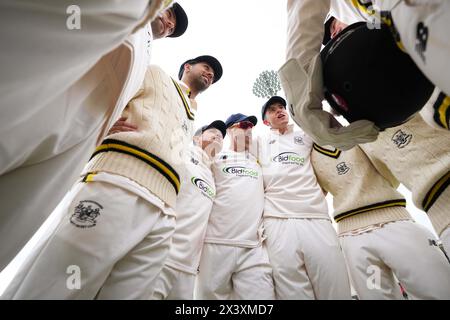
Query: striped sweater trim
(189, 113)
(88, 177)
(111, 145)
(330, 153)
(375, 206)
(435, 191)
(385, 16)
(442, 111)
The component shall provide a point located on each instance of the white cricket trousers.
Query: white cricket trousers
(404, 249)
(229, 272)
(116, 254)
(307, 260)
(174, 284)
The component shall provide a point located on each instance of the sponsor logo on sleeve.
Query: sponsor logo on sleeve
(204, 187)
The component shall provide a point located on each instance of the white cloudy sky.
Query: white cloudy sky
(248, 37)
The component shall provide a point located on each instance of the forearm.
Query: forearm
(305, 28)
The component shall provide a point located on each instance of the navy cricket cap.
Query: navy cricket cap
(218, 124)
(181, 22)
(270, 102)
(210, 60)
(239, 117)
(367, 76)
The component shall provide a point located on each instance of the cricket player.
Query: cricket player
(418, 27)
(61, 90)
(377, 234)
(418, 156)
(234, 262)
(303, 247)
(194, 203)
(435, 111)
(118, 226)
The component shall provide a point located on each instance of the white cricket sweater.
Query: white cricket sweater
(418, 156)
(153, 155)
(361, 196)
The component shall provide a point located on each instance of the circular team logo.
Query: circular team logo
(204, 187)
(289, 158)
(241, 172)
(298, 140)
(85, 214)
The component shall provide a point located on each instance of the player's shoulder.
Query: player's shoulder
(153, 70)
(302, 138)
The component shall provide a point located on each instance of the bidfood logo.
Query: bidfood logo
(289, 158)
(241, 172)
(204, 187)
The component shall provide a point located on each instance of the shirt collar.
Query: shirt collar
(187, 93)
(185, 88)
(289, 130)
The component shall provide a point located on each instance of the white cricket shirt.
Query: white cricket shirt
(193, 207)
(290, 185)
(236, 216)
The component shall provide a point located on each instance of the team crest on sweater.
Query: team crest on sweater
(86, 213)
(342, 168)
(401, 139)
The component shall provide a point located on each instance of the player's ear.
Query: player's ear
(267, 123)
